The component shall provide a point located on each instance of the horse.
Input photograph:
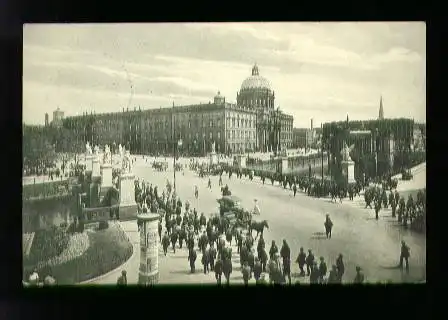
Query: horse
(258, 226)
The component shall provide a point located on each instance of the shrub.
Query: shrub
(103, 225)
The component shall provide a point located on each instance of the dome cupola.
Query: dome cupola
(255, 81)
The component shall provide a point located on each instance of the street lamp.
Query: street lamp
(179, 144)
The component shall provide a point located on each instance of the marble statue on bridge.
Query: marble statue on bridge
(88, 148)
(345, 152)
(126, 164)
(107, 154)
(96, 150)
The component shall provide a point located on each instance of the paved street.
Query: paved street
(374, 245)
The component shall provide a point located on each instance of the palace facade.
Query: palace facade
(252, 124)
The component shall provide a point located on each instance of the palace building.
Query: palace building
(252, 124)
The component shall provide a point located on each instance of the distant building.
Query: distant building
(47, 120)
(251, 124)
(58, 117)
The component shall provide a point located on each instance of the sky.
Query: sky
(322, 71)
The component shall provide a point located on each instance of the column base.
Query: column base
(148, 279)
(127, 212)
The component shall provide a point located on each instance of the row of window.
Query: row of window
(237, 123)
(235, 134)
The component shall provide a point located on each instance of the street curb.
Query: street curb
(134, 252)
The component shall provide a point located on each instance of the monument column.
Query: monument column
(149, 249)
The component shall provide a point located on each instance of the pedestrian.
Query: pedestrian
(218, 270)
(359, 278)
(212, 256)
(262, 280)
(227, 269)
(159, 230)
(165, 243)
(340, 267)
(322, 270)
(309, 262)
(328, 226)
(250, 259)
(301, 258)
(205, 260)
(263, 259)
(294, 189)
(245, 270)
(404, 255)
(122, 280)
(273, 250)
(220, 180)
(173, 239)
(333, 277)
(209, 185)
(192, 259)
(285, 253)
(314, 275)
(258, 268)
(260, 246)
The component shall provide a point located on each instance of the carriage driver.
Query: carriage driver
(256, 208)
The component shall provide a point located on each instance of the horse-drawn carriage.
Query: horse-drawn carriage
(215, 169)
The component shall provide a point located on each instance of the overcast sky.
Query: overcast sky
(318, 70)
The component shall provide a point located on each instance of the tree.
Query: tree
(38, 152)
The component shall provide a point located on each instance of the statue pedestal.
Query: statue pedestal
(213, 158)
(89, 162)
(348, 171)
(106, 178)
(284, 165)
(149, 249)
(96, 172)
(127, 204)
(241, 161)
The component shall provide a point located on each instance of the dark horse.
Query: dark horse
(258, 226)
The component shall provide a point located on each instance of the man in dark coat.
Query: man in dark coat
(340, 267)
(182, 236)
(294, 189)
(218, 270)
(263, 259)
(160, 231)
(285, 253)
(190, 242)
(258, 268)
(273, 250)
(322, 270)
(260, 246)
(122, 280)
(245, 270)
(212, 256)
(239, 239)
(359, 278)
(203, 240)
(243, 255)
(333, 277)
(301, 259)
(309, 261)
(192, 259)
(314, 275)
(227, 269)
(250, 259)
(328, 226)
(173, 239)
(165, 243)
(205, 260)
(404, 255)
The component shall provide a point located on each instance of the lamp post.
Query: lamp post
(179, 144)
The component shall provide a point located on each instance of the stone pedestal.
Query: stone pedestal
(96, 172)
(213, 158)
(241, 161)
(106, 178)
(89, 163)
(149, 249)
(106, 175)
(127, 204)
(348, 171)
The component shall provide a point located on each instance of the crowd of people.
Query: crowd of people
(181, 225)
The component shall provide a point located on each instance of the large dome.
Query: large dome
(255, 81)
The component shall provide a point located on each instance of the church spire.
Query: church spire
(381, 112)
